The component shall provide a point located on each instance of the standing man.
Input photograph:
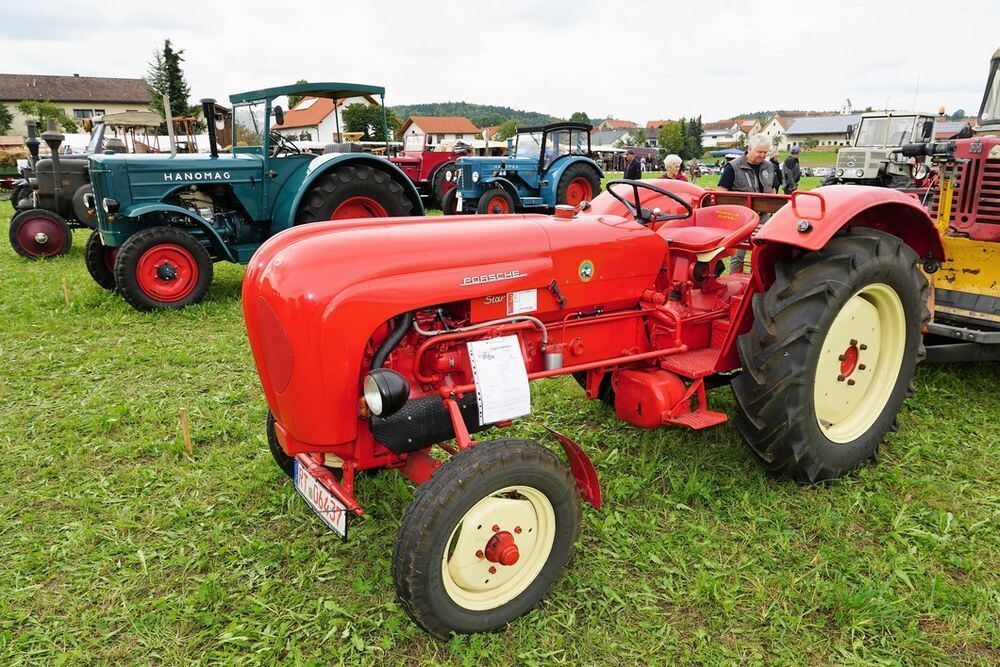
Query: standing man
(751, 172)
(792, 171)
(633, 171)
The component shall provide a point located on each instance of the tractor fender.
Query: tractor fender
(115, 239)
(555, 172)
(499, 181)
(290, 197)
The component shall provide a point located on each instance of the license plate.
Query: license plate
(321, 501)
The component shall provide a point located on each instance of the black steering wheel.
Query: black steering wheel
(282, 144)
(644, 216)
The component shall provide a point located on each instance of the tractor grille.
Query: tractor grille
(985, 207)
(466, 175)
(989, 194)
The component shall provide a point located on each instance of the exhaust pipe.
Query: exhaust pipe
(54, 139)
(169, 117)
(208, 110)
(32, 143)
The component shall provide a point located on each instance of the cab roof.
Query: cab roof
(321, 89)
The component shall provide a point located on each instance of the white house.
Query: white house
(313, 118)
(420, 131)
(828, 131)
(721, 134)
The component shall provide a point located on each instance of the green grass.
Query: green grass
(118, 548)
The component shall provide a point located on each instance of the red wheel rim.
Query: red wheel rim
(167, 273)
(578, 190)
(497, 206)
(359, 207)
(41, 237)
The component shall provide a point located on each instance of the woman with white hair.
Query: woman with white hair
(672, 163)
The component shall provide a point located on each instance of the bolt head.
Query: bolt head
(804, 226)
(517, 529)
(493, 569)
(851, 383)
(840, 378)
(480, 554)
(861, 367)
(854, 342)
(496, 528)
(862, 347)
(41, 238)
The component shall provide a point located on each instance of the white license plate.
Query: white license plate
(320, 500)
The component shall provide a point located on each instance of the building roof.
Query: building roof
(822, 124)
(441, 124)
(656, 124)
(718, 125)
(607, 136)
(309, 112)
(73, 88)
(746, 124)
(616, 124)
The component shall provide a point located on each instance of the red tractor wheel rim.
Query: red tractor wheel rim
(497, 205)
(167, 273)
(578, 190)
(359, 207)
(41, 237)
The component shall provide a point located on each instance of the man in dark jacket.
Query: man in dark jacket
(792, 171)
(751, 172)
(633, 170)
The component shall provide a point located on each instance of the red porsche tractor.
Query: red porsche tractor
(370, 360)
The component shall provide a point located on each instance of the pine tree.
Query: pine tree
(165, 77)
(295, 99)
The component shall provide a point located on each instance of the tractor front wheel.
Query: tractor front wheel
(100, 261)
(495, 201)
(829, 359)
(449, 204)
(580, 182)
(486, 537)
(284, 461)
(37, 233)
(162, 268)
(441, 184)
(353, 191)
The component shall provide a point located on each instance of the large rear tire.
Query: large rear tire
(486, 537)
(831, 354)
(162, 268)
(100, 261)
(441, 184)
(353, 191)
(580, 182)
(38, 234)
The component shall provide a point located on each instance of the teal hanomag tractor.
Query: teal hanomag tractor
(548, 165)
(164, 219)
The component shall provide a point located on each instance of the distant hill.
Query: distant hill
(481, 115)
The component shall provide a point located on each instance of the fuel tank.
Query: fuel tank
(314, 295)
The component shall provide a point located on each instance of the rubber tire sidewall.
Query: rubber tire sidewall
(25, 214)
(346, 181)
(437, 184)
(284, 461)
(132, 251)
(93, 257)
(450, 202)
(417, 557)
(574, 171)
(490, 194)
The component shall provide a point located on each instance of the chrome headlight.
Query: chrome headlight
(840, 172)
(448, 175)
(475, 177)
(109, 205)
(385, 391)
(859, 172)
(89, 201)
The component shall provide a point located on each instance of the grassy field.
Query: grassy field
(119, 548)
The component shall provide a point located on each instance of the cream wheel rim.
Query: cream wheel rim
(859, 363)
(473, 565)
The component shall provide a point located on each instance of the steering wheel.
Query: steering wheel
(281, 144)
(644, 216)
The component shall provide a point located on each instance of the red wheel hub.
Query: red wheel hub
(359, 207)
(497, 205)
(167, 272)
(41, 237)
(501, 549)
(578, 190)
(849, 361)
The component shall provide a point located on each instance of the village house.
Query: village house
(614, 124)
(830, 131)
(435, 130)
(313, 118)
(721, 134)
(78, 96)
(653, 128)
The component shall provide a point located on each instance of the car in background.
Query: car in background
(822, 172)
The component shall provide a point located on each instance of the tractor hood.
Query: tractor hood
(313, 296)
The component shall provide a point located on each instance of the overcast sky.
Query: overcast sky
(630, 59)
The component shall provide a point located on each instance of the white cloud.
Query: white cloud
(635, 59)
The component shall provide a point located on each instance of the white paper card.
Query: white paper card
(501, 379)
(525, 301)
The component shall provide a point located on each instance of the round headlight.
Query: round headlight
(88, 200)
(109, 205)
(840, 172)
(475, 177)
(385, 391)
(448, 175)
(859, 172)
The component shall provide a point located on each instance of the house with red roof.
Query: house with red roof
(653, 128)
(615, 124)
(318, 118)
(433, 130)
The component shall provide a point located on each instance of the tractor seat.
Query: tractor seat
(710, 228)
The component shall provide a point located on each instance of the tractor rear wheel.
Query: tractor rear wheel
(37, 233)
(829, 359)
(100, 261)
(605, 393)
(162, 268)
(486, 537)
(441, 184)
(495, 201)
(580, 182)
(353, 191)
(449, 205)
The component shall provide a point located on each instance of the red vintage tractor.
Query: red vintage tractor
(371, 358)
(430, 168)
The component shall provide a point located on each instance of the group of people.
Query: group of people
(755, 171)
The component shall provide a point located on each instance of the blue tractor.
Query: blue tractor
(162, 220)
(547, 165)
